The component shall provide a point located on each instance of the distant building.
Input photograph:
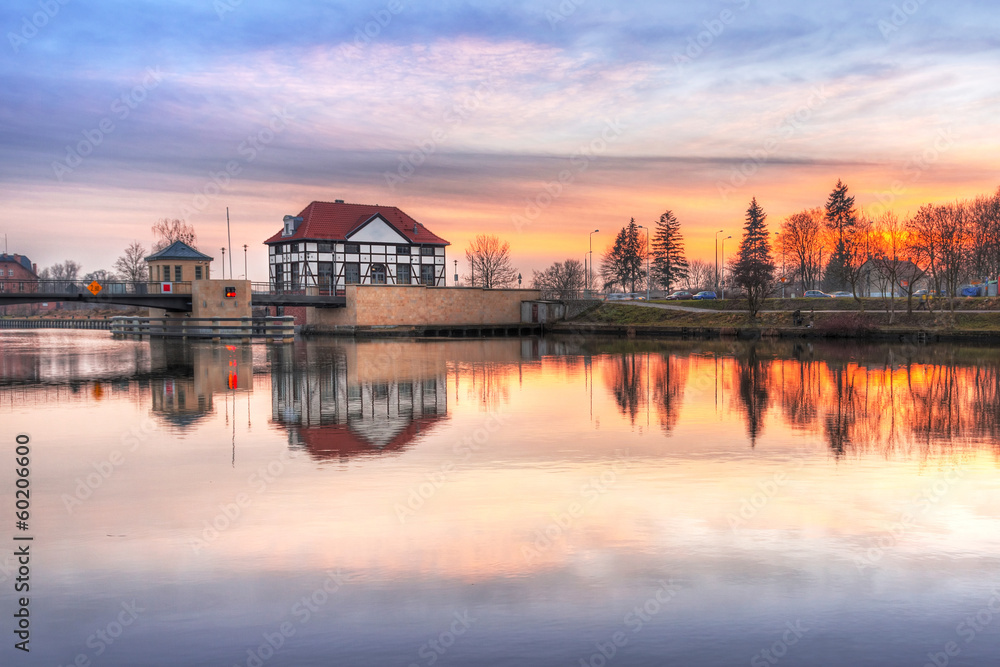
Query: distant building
(331, 245)
(17, 274)
(178, 262)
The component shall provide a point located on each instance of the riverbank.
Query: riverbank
(649, 320)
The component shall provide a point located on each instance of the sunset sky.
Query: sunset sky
(467, 115)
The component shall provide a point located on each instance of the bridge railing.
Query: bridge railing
(74, 287)
(279, 329)
(292, 289)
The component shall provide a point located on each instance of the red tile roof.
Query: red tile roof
(333, 221)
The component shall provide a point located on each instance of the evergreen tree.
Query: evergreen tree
(841, 220)
(753, 269)
(622, 265)
(669, 266)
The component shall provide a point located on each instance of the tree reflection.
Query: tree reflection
(752, 379)
(626, 379)
(669, 379)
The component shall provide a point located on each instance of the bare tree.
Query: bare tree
(699, 275)
(489, 262)
(984, 212)
(562, 280)
(803, 239)
(953, 222)
(889, 257)
(167, 230)
(132, 264)
(854, 249)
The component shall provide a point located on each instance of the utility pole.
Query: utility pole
(224, 263)
(246, 276)
(591, 269)
(723, 290)
(717, 260)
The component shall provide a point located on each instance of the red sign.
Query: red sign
(166, 287)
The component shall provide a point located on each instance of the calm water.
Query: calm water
(504, 502)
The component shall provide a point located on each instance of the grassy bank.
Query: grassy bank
(835, 323)
(803, 304)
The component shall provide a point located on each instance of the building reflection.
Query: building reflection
(189, 376)
(340, 402)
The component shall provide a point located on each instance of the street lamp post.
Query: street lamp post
(722, 291)
(456, 273)
(717, 259)
(591, 269)
(246, 274)
(223, 263)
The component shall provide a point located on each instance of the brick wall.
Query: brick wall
(381, 305)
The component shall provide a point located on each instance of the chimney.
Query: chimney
(34, 268)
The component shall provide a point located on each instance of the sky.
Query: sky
(534, 121)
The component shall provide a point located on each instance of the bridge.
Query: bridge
(175, 297)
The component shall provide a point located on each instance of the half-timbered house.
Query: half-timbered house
(333, 244)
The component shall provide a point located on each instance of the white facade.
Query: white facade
(373, 254)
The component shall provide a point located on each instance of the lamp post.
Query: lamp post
(647, 260)
(456, 273)
(519, 281)
(717, 259)
(591, 269)
(246, 275)
(223, 263)
(722, 291)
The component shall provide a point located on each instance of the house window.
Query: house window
(197, 273)
(295, 275)
(427, 251)
(352, 273)
(352, 248)
(10, 272)
(279, 276)
(427, 275)
(295, 247)
(177, 273)
(324, 246)
(402, 274)
(378, 274)
(402, 250)
(20, 287)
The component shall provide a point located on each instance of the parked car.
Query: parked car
(815, 293)
(842, 295)
(704, 295)
(618, 296)
(636, 296)
(679, 296)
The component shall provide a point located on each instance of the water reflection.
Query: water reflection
(337, 403)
